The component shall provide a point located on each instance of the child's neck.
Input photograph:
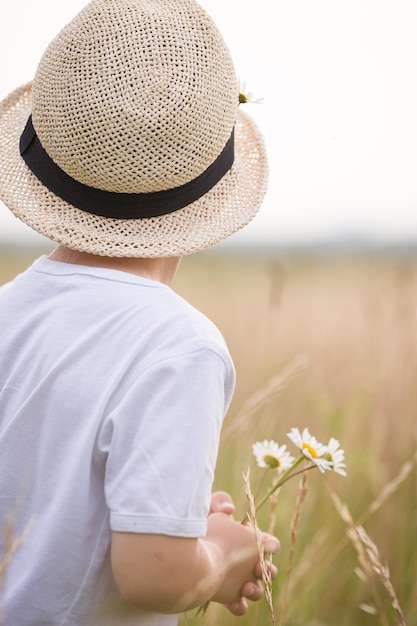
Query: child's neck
(162, 269)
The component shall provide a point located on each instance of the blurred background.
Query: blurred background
(317, 298)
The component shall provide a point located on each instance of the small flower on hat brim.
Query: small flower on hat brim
(245, 97)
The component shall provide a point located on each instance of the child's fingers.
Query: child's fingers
(252, 591)
(270, 568)
(237, 608)
(221, 502)
(271, 544)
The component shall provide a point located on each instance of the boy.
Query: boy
(128, 150)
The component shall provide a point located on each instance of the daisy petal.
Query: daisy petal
(309, 447)
(336, 457)
(269, 454)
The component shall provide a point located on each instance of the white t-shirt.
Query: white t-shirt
(112, 394)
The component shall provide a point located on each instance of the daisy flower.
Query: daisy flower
(270, 454)
(245, 96)
(310, 448)
(335, 456)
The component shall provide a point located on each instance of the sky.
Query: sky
(338, 80)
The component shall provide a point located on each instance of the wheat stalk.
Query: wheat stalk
(385, 493)
(381, 571)
(266, 574)
(364, 571)
(370, 563)
(302, 492)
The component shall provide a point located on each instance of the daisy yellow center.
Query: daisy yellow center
(271, 461)
(310, 449)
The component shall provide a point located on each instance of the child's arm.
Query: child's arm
(174, 574)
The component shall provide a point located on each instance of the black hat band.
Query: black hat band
(114, 204)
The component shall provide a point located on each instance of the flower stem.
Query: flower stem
(286, 475)
(261, 482)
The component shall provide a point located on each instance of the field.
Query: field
(330, 343)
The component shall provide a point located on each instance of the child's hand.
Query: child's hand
(247, 587)
(170, 574)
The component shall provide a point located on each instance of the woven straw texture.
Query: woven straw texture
(134, 96)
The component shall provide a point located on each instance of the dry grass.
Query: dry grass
(266, 575)
(329, 343)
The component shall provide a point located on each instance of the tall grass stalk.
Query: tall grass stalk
(266, 575)
(382, 571)
(302, 492)
(370, 564)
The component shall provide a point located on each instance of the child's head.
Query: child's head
(131, 140)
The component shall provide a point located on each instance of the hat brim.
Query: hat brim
(225, 209)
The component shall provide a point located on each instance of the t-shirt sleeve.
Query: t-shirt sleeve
(162, 443)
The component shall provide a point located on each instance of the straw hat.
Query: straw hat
(130, 141)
